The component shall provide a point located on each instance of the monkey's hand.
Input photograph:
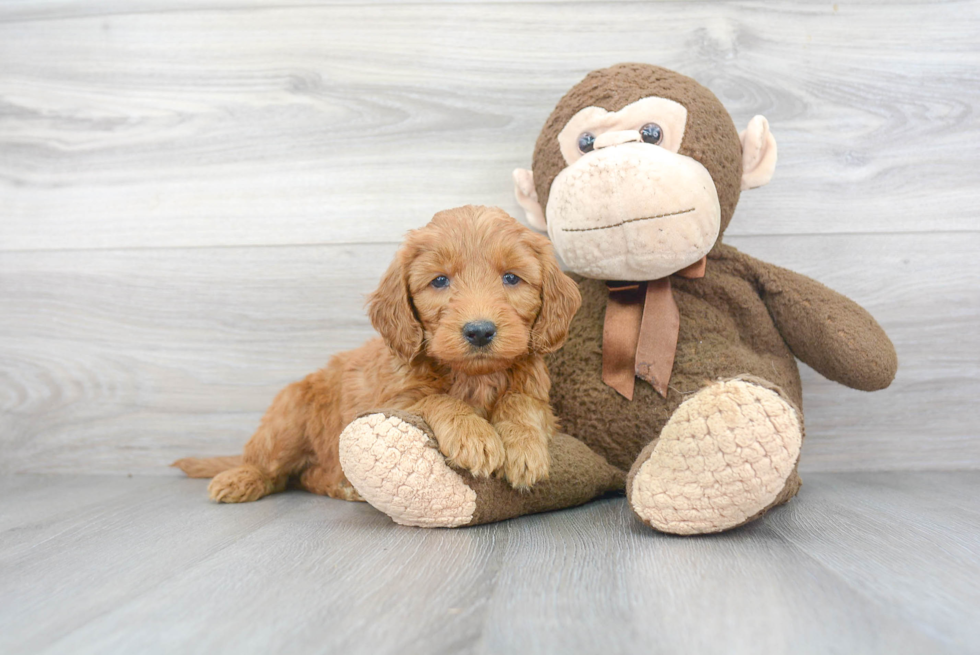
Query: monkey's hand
(828, 331)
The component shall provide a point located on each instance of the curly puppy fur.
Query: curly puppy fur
(487, 405)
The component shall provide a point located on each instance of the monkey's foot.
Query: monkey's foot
(727, 455)
(394, 463)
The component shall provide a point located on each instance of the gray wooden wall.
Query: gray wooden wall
(195, 195)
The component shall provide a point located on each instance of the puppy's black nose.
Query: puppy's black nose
(479, 333)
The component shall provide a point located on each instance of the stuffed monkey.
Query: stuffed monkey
(679, 380)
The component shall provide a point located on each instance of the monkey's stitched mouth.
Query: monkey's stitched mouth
(631, 220)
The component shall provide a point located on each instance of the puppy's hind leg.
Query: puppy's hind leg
(278, 449)
(328, 481)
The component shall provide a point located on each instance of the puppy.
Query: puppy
(465, 312)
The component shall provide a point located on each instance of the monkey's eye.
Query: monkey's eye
(585, 142)
(511, 280)
(440, 282)
(651, 133)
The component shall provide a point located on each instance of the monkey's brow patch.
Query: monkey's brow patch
(631, 220)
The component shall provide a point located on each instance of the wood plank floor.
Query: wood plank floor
(858, 563)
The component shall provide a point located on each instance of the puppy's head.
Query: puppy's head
(474, 289)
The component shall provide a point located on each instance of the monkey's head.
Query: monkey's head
(637, 172)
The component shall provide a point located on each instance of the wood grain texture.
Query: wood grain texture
(195, 196)
(153, 124)
(858, 563)
(124, 360)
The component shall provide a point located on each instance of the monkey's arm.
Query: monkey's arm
(826, 330)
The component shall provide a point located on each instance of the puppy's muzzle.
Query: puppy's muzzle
(479, 333)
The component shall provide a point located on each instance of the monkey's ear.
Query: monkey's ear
(758, 153)
(527, 198)
(391, 312)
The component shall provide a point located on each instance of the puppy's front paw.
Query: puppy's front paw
(527, 463)
(473, 445)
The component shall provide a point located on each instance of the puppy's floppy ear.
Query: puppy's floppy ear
(391, 312)
(560, 299)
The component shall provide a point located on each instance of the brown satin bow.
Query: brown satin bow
(639, 336)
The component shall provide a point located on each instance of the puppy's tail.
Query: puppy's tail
(207, 467)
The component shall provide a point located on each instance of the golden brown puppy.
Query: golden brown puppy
(465, 312)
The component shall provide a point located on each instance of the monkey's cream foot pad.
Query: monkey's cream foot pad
(725, 457)
(396, 467)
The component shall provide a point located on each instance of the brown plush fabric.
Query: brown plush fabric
(741, 318)
(831, 333)
(725, 330)
(577, 476)
(710, 136)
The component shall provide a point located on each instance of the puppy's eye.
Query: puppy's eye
(651, 133)
(440, 282)
(511, 280)
(585, 142)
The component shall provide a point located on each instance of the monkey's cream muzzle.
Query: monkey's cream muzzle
(632, 211)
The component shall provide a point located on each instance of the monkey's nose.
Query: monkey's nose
(479, 333)
(607, 139)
